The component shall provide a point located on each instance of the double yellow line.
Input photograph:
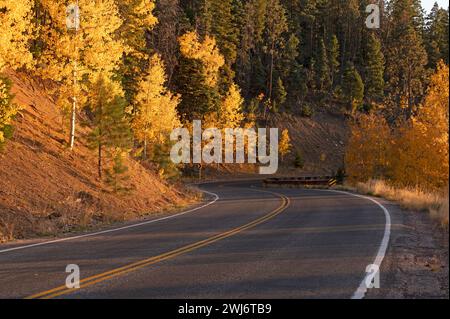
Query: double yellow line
(89, 281)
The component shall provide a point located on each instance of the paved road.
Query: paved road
(251, 242)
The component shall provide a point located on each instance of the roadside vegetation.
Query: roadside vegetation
(435, 203)
(408, 161)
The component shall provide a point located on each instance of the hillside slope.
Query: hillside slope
(45, 188)
(320, 140)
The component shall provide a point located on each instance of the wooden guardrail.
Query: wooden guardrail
(304, 181)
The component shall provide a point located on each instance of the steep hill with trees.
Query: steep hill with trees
(46, 189)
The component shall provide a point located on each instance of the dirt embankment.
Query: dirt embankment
(46, 189)
(320, 141)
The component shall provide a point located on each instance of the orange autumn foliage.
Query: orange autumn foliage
(415, 152)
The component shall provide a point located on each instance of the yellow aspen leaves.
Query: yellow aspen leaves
(16, 32)
(206, 51)
(285, 145)
(368, 148)
(156, 114)
(231, 115)
(137, 16)
(94, 48)
(414, 152)
(421, 154)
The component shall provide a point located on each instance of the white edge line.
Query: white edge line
(216, 198)
(362, 289)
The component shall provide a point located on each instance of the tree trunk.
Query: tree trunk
(72, 123)
(145, 148)
(100, 160)
(271, 71)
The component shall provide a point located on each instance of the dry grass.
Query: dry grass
(414, 199)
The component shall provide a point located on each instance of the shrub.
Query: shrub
(8, 110)
(299, 161)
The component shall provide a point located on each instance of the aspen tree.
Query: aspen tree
(156, 107)
(15, 28)
(74, 59)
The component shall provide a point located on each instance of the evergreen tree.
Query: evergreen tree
(299, 161)
(276, 26)
(198, 98)
(436, 35)
(111, 129)
(322, 68)
(163, 38)
(292, 72)
(374, 69)
(198, 76)
(333, 59)
(353, 88)
(138, 19)
(405, 59)
(280, 95)
(225, 31)
(161, 157)
(252, 71)
(116, 176)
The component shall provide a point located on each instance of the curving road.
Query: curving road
(245, 241)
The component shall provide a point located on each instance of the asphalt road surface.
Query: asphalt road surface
(244, 241)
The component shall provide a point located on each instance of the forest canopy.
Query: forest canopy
(164, 63)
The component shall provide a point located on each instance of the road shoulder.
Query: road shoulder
(417, 261)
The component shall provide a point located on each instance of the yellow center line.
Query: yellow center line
(89, 281)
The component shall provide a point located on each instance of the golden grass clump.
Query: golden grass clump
(437, 204)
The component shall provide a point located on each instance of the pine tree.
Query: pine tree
(138, 19)
(280, 95)
(353, 87)
(405, 58)
(374, 69)
(290, 54)
(251, 75)
(322, 68)
(276, 26)
(197, 76)
(261, 46)
(206, 52)
(333, 59)
(111, 129)
(224, 30)
(161, 157)
(197, 98)
(16, 33)
(436, 35)
(116, 176)
(172, 23)
(299, 162)
(156, 107)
